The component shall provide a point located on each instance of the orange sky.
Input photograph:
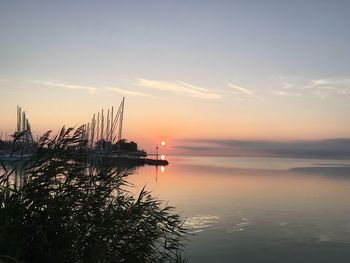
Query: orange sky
(187, 70)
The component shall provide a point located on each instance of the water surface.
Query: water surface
(258, 209)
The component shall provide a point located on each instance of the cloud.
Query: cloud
(91, 90)
(330, 86)
(179, 87)
(129, 92)
(4, 80)
(320, 88)
(332, 83)
(240, 89)
(286, 93)
(323, 149)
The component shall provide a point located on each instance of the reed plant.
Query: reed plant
(71, 207)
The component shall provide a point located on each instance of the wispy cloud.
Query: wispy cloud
(89, 89)
(330, 86)
(130, 92)
(331, 82)
(240, 89)
(286, 93)
(179, 87)
(327, 149)
(320, 88)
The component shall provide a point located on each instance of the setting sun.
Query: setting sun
(199, 131)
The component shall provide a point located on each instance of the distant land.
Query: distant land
(338, 148)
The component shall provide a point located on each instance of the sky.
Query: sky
(208, 70)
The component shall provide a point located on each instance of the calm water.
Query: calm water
(258, 209)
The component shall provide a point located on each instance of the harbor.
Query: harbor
(102, 139)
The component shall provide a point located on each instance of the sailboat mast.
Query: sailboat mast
(121, 120)
(111, 126)
(19, 116)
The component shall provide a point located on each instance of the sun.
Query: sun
(163, 143)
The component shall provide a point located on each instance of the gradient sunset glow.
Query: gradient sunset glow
(245, 70)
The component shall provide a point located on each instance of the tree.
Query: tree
(124, 145)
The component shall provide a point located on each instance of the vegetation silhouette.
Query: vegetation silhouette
(4, 145)
(120, 147)
(70, 208)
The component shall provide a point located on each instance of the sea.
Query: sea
(257, 209)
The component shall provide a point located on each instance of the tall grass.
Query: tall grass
(70, 209)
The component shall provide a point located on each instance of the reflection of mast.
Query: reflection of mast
(156, 173)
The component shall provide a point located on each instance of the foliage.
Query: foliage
(124, 145)
(121, 147)
(4, 145)
(72, 209)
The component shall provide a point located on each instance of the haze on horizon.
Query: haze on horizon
(244, 70)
